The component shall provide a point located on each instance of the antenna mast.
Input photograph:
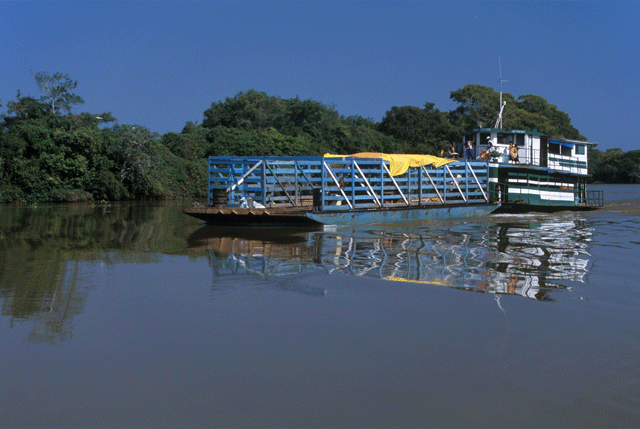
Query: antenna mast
(499, 121)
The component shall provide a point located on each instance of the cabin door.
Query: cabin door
(544, 152)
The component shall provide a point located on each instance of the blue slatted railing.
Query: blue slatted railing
(342, 183)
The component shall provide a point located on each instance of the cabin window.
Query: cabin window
(579, 149)
(558, 149)
(517, 139)
(564, 149)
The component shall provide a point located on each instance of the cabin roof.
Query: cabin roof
(563, 140)
(535, 133)
(500, 130)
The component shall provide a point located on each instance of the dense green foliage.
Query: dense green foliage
(480, 105)
(614, 166)
(425, 130)
(254, 123)
(49, 156)
(47, 153)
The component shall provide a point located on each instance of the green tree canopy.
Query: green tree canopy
(425, 130)
(254, 110)
(479, 107)
(49, 156)
(254, 123)
(614, 166)
(534, 112)
(57, 91)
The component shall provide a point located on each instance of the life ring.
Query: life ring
(484, 155)
(513, 151)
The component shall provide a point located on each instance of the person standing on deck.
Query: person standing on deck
(513, 153)
(453, 153)
(470, 153)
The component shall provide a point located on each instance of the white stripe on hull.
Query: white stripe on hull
(544, 195)
(538, 183)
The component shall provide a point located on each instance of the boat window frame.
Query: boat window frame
(483, 137)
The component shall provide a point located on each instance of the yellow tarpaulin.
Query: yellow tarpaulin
(399, 163)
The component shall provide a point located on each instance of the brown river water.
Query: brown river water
(135, 315)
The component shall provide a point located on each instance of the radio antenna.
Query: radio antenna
(499, 121)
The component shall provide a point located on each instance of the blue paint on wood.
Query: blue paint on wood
(345, 190)
(403, 215)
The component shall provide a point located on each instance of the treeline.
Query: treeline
(614, 166)
(49, 153)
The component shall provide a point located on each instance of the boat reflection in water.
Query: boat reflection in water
(504, 256)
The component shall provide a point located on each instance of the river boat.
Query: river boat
(537, 172)
(532, 171)
(343, 190)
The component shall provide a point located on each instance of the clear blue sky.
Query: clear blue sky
(161, 64)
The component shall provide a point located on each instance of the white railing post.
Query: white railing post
(455, 182)
(371, 192)
(435, 188)
(478, 182)
(395, 184)
(244, 176)
(335, 179)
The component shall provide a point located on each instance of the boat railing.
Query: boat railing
(341, 183)
(528, 156)
(594, 199)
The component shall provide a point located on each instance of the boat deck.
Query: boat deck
(341, 190)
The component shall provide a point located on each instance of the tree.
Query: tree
(480, 106)
(136, 155)
(545, 117)
(22, 109)
(190, 144)
(418, 130)
(48, 156)
(57, 91)
(255, 123)
(614, 166)
(251, 110)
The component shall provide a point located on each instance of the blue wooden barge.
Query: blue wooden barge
(342, 190)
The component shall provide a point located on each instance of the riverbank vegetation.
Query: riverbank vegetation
(49, 153)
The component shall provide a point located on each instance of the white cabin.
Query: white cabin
(534, 149)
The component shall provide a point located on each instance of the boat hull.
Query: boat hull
(523, 189)
(450, 212)
(240, 216)
(539, 208)
(237, 216)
